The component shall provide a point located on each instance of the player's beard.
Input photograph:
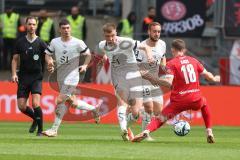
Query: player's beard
(154, 39)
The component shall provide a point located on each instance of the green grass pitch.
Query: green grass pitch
(103, 142)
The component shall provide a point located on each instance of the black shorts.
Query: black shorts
(27, 84)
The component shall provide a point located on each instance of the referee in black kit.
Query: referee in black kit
(29, 50)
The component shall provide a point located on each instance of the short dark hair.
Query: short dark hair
(150, 8)
(63, 22)
(31, 17)
(178, 44)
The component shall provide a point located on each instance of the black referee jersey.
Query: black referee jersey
(32, 56)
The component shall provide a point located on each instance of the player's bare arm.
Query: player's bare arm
(101, 62)
(148, 52)
(210, 77)
(103, 58)
(163, 63)
(50, 63)
(14, 67)
(156, 81)
(88, 58)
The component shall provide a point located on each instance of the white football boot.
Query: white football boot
(140, 137)
(96, 114)
(50, 133)
(124, 135)
(210, 137)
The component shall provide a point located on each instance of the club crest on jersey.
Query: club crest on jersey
(36, 57)
(64, 52)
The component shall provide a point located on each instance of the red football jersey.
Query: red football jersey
(185, 86)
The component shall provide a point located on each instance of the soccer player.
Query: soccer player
(29, 51)
(185, 95)
(66, 51)
(125, 74)
(152, 95)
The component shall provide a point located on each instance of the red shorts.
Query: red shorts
(175, 108)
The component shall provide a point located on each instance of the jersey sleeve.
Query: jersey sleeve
(136, 44)
(100, 48)
(164, 50)
(170, 69)
(16, 48)
(43, 46)
(82, 47)
(50, 48)
(200, 67)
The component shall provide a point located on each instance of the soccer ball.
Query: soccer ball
(181, 128)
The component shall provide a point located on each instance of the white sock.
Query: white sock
(60, 112)
(209, 131)
(82, 105)
(121, 113)
(146, 118)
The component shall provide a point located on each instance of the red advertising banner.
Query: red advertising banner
(223, 101)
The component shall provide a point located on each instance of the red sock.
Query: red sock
(206, 116)
(154, 124)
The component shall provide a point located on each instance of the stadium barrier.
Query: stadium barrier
(223, 101)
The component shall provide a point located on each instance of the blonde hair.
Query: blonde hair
(153, 24)
(108, 27)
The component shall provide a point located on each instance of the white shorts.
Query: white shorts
(68, 84)
(151, 93)
(127, 79)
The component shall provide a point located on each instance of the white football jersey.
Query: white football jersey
(66, 55)
(158, 52)
(120, 54)
(151, 92)
(64, 52)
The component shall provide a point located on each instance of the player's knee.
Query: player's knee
(135, 112)
(59, 100)
(148, 108)
(71, 103)
(132, 102)
(35, 104)
(22, 107)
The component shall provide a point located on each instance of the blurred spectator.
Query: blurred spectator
(22, 31)
(147, 20)
(126, 26)
(78, 24)
(45, 28)
(10, 22)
